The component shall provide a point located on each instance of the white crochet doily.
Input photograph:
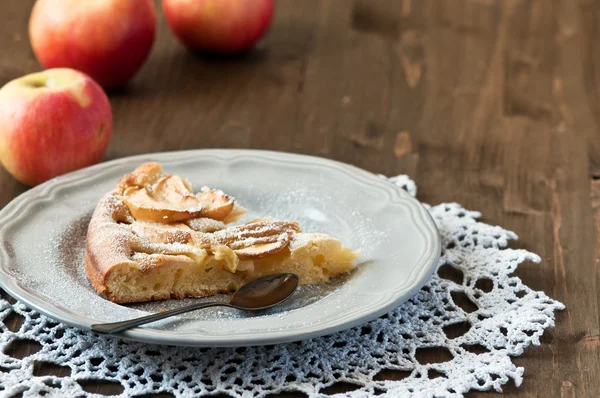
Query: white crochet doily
(498, 315)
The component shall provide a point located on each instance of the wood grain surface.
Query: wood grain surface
(492, 104)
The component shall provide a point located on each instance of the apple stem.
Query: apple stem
(36, 84)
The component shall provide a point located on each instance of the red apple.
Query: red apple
(108, 40)
(52, 122)
(222, 26)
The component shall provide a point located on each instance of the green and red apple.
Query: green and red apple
(220, 26)
(108, 40)
(51, 123)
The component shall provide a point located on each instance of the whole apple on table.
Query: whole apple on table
(223, 26)
(108, 40)
(52, 122)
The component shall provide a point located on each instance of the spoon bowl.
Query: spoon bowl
(265, 292)
(258, 294)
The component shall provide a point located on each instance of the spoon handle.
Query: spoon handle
(116, 327)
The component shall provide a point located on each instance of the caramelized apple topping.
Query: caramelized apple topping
(152, 196)
(167, 213)
(248, 241)
(257, 239)
(144, 175)
(215, 204)
(164, 202)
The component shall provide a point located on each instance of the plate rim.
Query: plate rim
(44, 192)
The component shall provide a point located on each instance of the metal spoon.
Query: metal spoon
(259, 294)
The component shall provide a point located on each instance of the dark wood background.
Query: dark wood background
(493, 104)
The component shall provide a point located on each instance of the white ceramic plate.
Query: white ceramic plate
(42, 234)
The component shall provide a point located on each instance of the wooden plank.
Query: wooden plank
(533, 199)
(549, 197)
(574, 229)
(463, 51)
(588, 41)
(385, 44)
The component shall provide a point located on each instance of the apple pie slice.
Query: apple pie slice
(153, 238)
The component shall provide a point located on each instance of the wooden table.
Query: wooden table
(493, 104)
